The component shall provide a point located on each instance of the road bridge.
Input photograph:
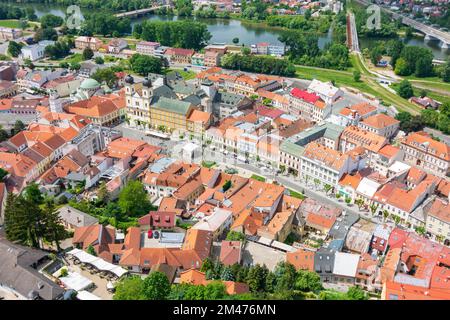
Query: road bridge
(140, 12)
(431, 33)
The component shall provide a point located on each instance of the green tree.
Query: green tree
(23, 220)
(227, 274)
(348, 200)
(285, 276)
(143, 64)
(357, 76)
(256, 277)
(235, 236)
(420, 230)
(87, 53)
(245, 51)
(129, 288)
(226, 185)
(18, 126)
(105, 75)
(445, 73)
(103, 193)
(3, 174)
(51, 21)
(405, 89)
(45, 34)
(90, 249)
(401, 67)
(99, 60)
(207, 265)
(327, 187)
(32, 194)
(14, 48)
(133, 199)
(359, 202)
(308, 281)
(156, 286)
(54, 229)
(385, 214)
(356, 293)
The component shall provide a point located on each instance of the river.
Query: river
(224, 30)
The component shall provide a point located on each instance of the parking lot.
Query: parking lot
(257, 253)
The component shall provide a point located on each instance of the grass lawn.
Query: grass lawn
(208, 164)
(431, 94)
(341, 78)
(187, 75)
(259, 178)
(432, 85)
(75, 58)
(10, 23)
(296, 194)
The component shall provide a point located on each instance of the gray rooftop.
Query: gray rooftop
(342, 225)
(76, 217)
(328, 130)
(17, 271)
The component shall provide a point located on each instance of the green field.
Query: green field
(340, 78)
(296, 194)
(187, 75)
(10, 23)
(259, 178)
(208, 164)
(75, 58)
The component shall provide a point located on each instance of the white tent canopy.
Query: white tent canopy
(86, 295)
(97, 262)
(76, 281)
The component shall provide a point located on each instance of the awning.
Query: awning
(86, 295)
(97, 262)
(76, 281)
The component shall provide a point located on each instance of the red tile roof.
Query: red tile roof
(304, 95)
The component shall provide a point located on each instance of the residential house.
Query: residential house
(179, 55)
(73, 218)
(84, 42)
(425, 152)
(230, 252)
(325, 90)
(146, 47)
(381, 124)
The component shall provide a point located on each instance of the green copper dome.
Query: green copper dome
(90, 84)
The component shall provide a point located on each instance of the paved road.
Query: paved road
(288, 182)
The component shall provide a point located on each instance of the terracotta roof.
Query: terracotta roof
(93, 107)
(199, 116)
(249, 221)
(180, 52)
(380, 121)
(364, 138)
(398, 291)
(362, 108)
(389, 151)
(198, 240)
(440, 209)
(159, 219)
(420, 140)
(123, 147)
(230, 252)
(301, 259)
(331, 158)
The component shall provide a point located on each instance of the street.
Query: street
(289, 182)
